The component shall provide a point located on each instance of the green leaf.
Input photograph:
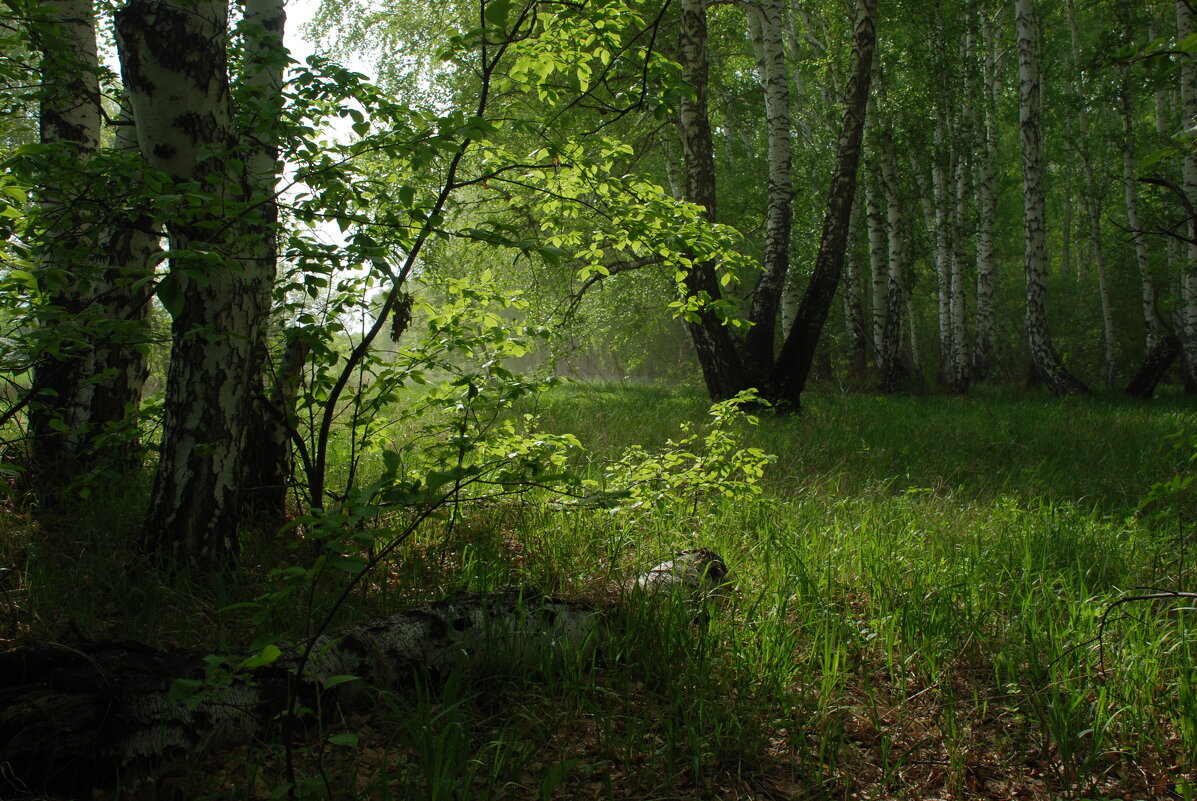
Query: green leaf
(184, 690)
(495, 12)
(170, 295)
(333, 681)
(344, 738)
(267, 656)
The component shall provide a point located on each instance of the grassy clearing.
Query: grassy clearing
(921, 592)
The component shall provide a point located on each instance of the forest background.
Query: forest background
(283, 349)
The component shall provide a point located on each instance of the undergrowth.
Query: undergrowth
(922, 590)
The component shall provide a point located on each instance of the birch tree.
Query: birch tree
(175, 67)
(95, 253)
(1044, 359)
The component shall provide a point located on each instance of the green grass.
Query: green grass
(919, 594)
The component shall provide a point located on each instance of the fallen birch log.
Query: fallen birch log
(78, 716)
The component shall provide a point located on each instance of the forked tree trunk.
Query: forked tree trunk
(788, 378)
(1155, 364)
(1044, 360)
(76, 717)
(717, 354)
(765, 26)
(174, 64)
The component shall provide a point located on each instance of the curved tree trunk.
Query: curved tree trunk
(1044, 360)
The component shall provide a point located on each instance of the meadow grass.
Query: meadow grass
(922, 610)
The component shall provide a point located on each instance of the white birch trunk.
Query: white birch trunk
(878, 264)
(854, 318)
(939, 223)
(1151, 320)
(69, 122)
(1043, 355)
(888, 353)
(1092, 205)
(173, 59)
(765, 28)
(985, 186)
(961, 360)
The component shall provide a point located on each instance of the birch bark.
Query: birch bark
(1092, 205)
(717, 354)
(1043, 355)
(875, 223)
(985, 188)
(790, 372)
(174, 64)
(765, 27)
(95, 252)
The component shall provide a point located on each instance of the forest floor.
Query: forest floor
(932, 600)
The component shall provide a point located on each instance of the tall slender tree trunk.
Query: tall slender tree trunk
(717, 355)
(173, 60)
(69, 122)
(1151, 318)
(268, 451)
(1188, 277)
(765, 26)
(1092, 203)
(985, 188)
(939, 222)
(790, 372)
(961, 360)
(854, 318)
(1043, 355)
(878, 266)
(889, 364)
